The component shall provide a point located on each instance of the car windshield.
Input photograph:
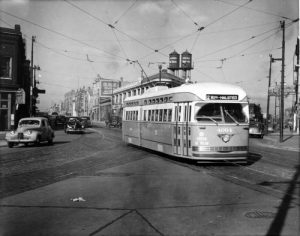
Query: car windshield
(29, 123)
(221, 113)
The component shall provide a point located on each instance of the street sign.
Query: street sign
(20, 96)
(288, 90)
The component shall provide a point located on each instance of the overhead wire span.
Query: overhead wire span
(113, 27)
(61, 34)
(188, 16)
(125, 12)
(257, 10)
(254, 44)
(238, 43)
(57, 52)
(215, 21)
(120, 45)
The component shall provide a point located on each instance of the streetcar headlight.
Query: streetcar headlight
(226, 138)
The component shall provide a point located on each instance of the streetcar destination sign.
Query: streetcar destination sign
(222, 97)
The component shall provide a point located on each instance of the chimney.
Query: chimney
(18, 28)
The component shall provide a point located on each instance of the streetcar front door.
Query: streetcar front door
(181, 129)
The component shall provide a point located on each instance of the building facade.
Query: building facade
(103, 90)
(164, 78)
(14, 78)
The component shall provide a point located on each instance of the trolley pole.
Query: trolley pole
(269, 85)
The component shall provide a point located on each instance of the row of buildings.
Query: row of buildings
(105, 97)
(15, 78)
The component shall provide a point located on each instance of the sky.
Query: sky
(230, 41)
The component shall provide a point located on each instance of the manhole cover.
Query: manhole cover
(260, 214)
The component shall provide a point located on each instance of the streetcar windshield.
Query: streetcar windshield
(221, 113)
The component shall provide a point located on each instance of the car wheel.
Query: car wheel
(10, 145)
(50, 141)
(38, 141)
(26, 144)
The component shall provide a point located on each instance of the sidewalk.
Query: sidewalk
(291, 140)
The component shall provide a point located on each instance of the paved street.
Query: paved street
(125, 190)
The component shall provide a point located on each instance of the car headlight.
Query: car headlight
(28, 132)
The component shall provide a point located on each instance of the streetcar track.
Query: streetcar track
(216, 172)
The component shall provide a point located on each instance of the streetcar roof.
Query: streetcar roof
(198, 91)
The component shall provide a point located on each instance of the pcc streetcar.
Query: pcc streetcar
(202, 121)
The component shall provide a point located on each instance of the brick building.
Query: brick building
(14, 78)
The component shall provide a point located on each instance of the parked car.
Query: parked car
(31, 130)
(86, 121)
(74, 125)
(60, 120)
(256, 129)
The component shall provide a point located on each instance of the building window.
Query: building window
(5, 67)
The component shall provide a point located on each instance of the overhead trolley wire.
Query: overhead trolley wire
(257, 10)
(240, 42)
(125, 12)
(113, 27)
(269, 36)
(188, 16)
(215, 21)
(61, 34)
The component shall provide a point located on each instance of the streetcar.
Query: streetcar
(206, 122)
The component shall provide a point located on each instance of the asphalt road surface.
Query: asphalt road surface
(272, 175)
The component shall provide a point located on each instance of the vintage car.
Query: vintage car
(86, 121)
(74, 125)
(256, 129)
(31, 130)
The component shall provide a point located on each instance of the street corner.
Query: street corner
(289, 142)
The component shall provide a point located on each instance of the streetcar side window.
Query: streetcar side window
(152, 115)
(165, 115)
(169, 115)
(160, 115)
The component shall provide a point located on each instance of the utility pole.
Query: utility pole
(297, 85)
(281, 105)
(269, 85)
(282, 23)
(31, 76)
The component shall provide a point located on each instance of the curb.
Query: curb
(270, 142)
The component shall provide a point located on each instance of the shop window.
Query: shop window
(5, 67)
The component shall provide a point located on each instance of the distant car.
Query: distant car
(31, 130)
(256, 129)
(60, 120)
(74, 125)
(86, 121)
